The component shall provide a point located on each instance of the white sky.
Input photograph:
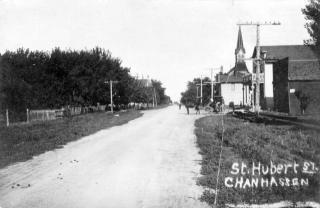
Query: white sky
(169, 40)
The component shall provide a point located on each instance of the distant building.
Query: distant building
(230, 85)
(294, 79)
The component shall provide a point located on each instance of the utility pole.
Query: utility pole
(155, 97)
(111, 82)
(201, 89)
(212, 82)
(201, 84)
(197, 91)
(258, 59)
(7, 117)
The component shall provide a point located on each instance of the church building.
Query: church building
(230, 85)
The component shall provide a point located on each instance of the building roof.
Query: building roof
(293, 52)
(303, 70)
(239, 42)
(239, 69)
(235, 74)
(303, 61)
(225, 78)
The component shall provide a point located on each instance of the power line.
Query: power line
(258, 23)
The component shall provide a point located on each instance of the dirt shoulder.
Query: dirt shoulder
(22, 142)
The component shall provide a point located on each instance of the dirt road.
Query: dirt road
(152, 161)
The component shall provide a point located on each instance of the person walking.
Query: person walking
(197, 108)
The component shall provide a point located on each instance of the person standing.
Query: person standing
(187, 107)
(197, 108)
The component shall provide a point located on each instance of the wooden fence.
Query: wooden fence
(8, 117)
(44, 115)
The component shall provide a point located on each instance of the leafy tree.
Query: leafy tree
(38, 80)
(312, 15)
(160, 92)
(189, 97)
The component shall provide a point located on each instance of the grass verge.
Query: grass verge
(22, 142)
(247, 143)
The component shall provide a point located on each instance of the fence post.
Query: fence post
(27, 115)
(7, 115)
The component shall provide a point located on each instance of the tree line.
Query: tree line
(41, 80)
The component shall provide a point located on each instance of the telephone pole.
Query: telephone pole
(111, 82)
(201, 89)
(258, 59)
(197, 91)
(154, 98)
(213, 82)
(201, 84)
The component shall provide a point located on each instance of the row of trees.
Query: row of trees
(38, 80)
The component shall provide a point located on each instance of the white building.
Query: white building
(230, 85)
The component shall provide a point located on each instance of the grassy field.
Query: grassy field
(248, 144)
(22, 142)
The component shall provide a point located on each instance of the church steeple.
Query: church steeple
(240, 51)
(240, 68)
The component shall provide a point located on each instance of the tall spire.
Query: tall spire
(240, 43)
